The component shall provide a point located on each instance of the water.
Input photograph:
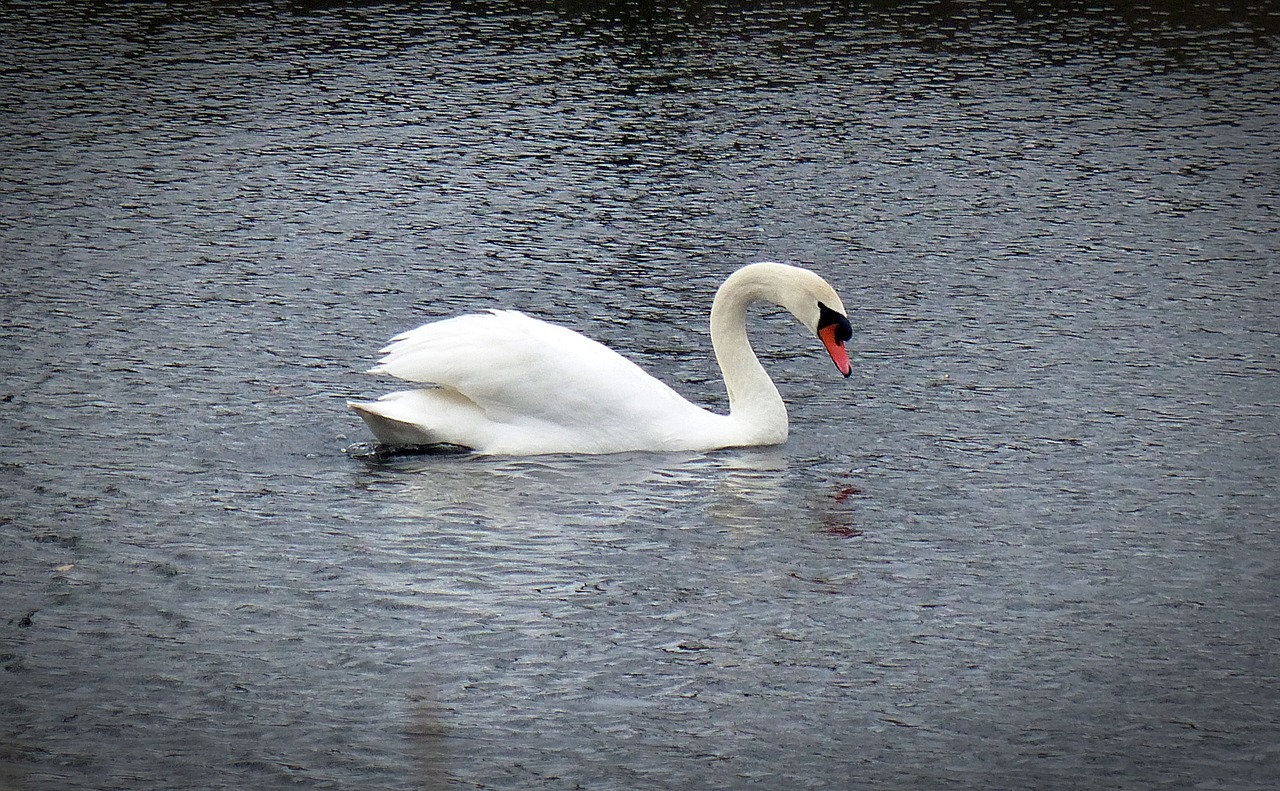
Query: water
(1031, 543)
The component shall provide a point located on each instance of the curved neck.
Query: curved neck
(753, 398)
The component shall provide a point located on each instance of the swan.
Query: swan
(504, 383)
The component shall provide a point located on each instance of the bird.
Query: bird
(504, 383)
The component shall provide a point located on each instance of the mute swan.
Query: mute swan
(505, 383)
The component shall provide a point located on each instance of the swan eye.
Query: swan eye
(828, 317)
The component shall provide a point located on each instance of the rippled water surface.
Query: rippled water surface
(1031, 543)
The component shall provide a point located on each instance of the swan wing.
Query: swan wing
(541, 384)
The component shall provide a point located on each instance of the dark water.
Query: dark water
(1032, 543)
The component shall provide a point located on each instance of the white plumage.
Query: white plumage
(506, 383)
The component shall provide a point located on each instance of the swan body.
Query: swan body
(505, 383)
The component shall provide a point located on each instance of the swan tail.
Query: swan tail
(414, 418)
(389, 430)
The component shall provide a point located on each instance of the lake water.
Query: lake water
(1032, 543)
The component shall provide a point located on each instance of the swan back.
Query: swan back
(504, 382)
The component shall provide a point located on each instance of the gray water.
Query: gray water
(1031, 543)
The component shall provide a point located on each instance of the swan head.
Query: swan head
(804, 293)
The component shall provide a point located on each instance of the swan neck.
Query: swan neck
(753, 397)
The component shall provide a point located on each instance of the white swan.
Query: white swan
(506, 383)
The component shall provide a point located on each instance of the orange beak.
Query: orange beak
(835, 348)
